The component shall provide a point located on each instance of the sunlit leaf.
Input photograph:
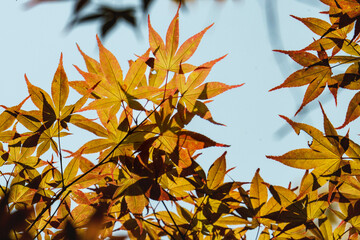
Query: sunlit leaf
(217, 172)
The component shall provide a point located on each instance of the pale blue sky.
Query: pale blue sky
(32, 41)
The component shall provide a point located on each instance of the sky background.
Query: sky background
(32, 41)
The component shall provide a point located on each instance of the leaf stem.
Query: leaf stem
(60, 155)
(173, 220)
(193, 217)
(51, 216)
(131, 131)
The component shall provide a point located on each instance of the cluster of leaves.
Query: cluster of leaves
(107, 14)
(332, 160)
(145, 154)
(147, 158)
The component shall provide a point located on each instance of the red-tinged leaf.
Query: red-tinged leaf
(340, 230)
(185, 159)
(188, 48)
(135, 73)
(303, 58)
(81, 215)
(303, 77)
(333, 87)
(216, 173)
(103, 88)
(60, 87)
(71, 171)
(213, 89)
(258, 191)
(331, 134)
(316, 87)
(79, 197)
(331, 3)
(320, 142)
(195, 141)
(306, 158)
(318, 26)
(92, 65)
(319, 44)
(8, 117)
(38, 96)
(351, 48)
(157, 46)
(81, 87)
(198, 76)
(350, 7)
(306, 184)
(191, 89)
(110, 66)
(172, 36)
(349, 79)
(353, 111)
(201, 110)
(85, 164)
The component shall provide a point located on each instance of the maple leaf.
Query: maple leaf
(258, 194)
(167, 55)
(325, 155)
(216, 173)
(192, 89)
(347, 13)
(353, 111)
(51, 110)
(107, 76)
(316, 73)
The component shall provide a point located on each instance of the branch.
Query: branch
(131, 131)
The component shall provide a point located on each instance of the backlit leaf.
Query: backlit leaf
(60, 87)
(217, 172)
(109, 65)
(258, 191)
(353, 111)
(71, 171)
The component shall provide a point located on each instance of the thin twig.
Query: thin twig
(51, 216)
(193, 217)
(60, 155)
(171, 236)
(90, 170)
(158, 220)
(177, 227)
